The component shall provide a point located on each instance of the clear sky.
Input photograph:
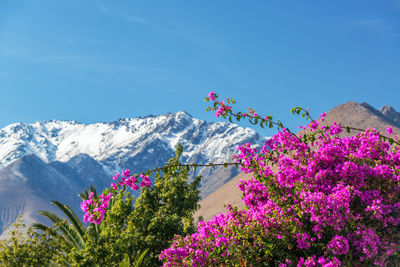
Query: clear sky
(95, 61)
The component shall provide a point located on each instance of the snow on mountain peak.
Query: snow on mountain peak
(111, 144)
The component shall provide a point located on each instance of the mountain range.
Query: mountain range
(56, 160)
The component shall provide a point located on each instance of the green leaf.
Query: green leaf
(125, 262)
(139, 260)
(165, 170)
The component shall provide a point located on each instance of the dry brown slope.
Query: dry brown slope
(360, 116)
(352, 114)
(213, 204)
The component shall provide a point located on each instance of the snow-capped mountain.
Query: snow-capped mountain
(55, 160)
(126, 143)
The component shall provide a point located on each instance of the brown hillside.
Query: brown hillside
(361, 116)
(213, 204)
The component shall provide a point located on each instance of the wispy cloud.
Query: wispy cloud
(23, 48)
(125, 16)
(384, 27)
(370, 22)
(24, 53)
(195, 39)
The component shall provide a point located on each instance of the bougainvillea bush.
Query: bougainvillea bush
(316, 199)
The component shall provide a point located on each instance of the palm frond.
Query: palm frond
(71, 215)
(139, 260)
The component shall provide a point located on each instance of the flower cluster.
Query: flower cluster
(211, 96)
(95, 208)
(339, 245)
(319, 199)
(221, 108)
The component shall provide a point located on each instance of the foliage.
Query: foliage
(317, 199)
(131, 234)
(71, 234)
(160, 212)
(109, 244)
(165, 209)
(25, 247)
(126, 262)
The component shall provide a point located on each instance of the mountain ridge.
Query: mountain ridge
(76, 155)
(48, 139)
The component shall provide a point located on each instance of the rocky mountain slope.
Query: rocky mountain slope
(55, 160)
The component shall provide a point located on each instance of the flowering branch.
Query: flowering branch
(225, 110)
(95, 208)
(331, 200)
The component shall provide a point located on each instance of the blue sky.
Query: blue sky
(95, 61)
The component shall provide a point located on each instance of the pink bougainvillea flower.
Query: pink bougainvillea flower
(389, 130)
(211, 96)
